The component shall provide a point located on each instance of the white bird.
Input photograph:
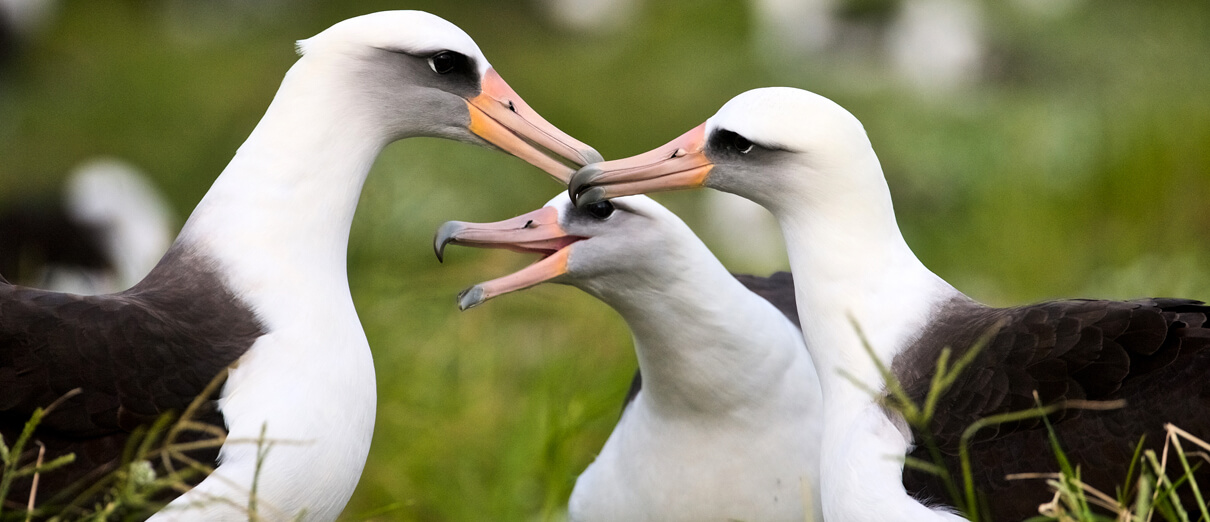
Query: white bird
(809, 162)
(256, 283)
(726, 422)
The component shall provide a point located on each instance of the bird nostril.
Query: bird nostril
(529, 224)
(512, 107)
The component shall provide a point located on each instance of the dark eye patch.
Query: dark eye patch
(724, 143)
(398, 68)
(723, 140)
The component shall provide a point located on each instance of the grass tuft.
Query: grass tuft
(135, 489)
(1151, 495)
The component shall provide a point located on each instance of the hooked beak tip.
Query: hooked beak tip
(470, 298)
(582, 181)
(443, 237)
(590, 196)
(591, 156)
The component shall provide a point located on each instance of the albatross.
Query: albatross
(725, 421)
(810, 162)
(255, 285)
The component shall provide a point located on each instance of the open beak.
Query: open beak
(501, 117)
(682, 163)
(536, 232)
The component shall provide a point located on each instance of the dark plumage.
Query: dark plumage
(1153, 353)
(777, 289)
(134, 355)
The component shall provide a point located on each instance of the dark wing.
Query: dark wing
(134, 356)
(777, 289)
(1151, 353)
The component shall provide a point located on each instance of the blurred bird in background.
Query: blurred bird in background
(21, 21)
(102, 233)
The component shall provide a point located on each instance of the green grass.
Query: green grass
(129, 492)
(1080, 166)
(12, 464)
(154, 462)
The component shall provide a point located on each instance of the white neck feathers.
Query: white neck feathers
(276, 224)
(704, 342)
(851, 264)
(282, 209)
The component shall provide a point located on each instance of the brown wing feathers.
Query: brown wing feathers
(134, 356)
(1152, 353)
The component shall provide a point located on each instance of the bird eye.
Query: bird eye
(729, 142)
(446, 62)
(600, 209)
(742, 144)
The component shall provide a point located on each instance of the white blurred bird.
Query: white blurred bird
(106, 231)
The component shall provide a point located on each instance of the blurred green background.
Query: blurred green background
(1072, 160)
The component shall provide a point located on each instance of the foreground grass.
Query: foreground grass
(155, 466)
(1146, 493)
(132, 490)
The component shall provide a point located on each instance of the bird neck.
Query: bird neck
(275, 225)
(705, 343)
(857, 285)
(862, 296)
(278, 217)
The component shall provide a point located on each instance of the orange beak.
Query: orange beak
(536, 232)
(682, 163)
(502, 118)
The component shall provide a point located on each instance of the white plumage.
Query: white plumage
(727, 422)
